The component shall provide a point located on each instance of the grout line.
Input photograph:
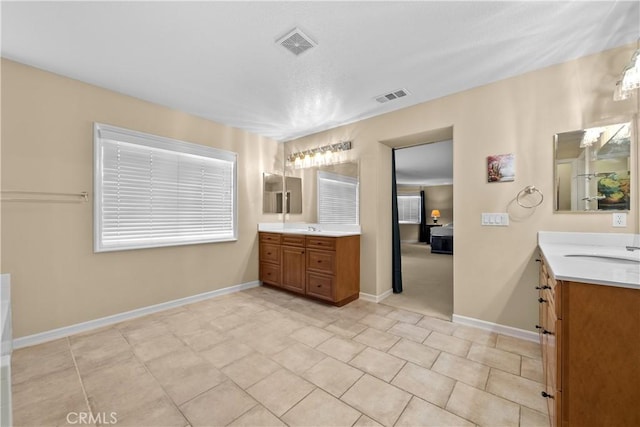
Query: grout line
(399, 370)
(406, 405)
(84, 391)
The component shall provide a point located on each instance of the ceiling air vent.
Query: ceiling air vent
(392, 95)
(296, 41)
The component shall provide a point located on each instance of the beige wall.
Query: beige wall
(47, 145)
(494, 268)
(439, 197)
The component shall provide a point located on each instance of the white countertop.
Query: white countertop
(325, 230)
(601, 257)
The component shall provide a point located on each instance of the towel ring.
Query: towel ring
(530, 189)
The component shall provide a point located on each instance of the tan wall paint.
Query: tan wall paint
(494, 268)
(439, 197)
(47, 145)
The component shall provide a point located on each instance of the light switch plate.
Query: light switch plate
(619, 219)
(495, 219)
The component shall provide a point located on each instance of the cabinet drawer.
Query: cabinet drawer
(320, 286)
(292, 240)
(270, 273)
(270, 238)
(321, 261)
(270, 253)
(326, 243)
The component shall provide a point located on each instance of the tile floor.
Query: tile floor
(262, 357)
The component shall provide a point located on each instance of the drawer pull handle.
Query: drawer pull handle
(268, 253)
(547, 395)
(543, 287)
(541, 300)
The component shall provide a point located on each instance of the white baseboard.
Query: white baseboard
(494, 327)
(375, 298)
(54, 334)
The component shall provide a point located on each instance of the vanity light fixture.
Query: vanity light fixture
(629, 80)
(590, 137)
(325, 155)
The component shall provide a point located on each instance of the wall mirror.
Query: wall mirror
(332, 193)
(281, 194)
(592, 169)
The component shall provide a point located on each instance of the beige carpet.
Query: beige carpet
(427, 281)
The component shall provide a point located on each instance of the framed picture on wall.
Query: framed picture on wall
(501, 168)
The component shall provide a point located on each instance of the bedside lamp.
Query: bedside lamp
(435, 214)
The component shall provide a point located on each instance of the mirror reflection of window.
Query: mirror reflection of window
(593, 169)
(337, 199)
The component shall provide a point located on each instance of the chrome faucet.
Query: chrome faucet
(633, 248)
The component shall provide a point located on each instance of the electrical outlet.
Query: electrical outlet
(620, 219)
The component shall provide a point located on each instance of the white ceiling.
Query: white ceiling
(219, 60)
(425, 165)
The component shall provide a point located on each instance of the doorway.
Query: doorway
(424, 186)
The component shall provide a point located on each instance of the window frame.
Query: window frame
(104, 132)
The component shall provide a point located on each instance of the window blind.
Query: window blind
(152, 191)
(409, 209)
(337, 199)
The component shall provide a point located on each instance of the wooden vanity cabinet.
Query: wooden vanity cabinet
(293, 263)
(269, 249)
(324, 268)
(590, 337)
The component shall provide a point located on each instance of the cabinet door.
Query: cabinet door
(293, 268)
(321, 261)
(270, 273)
(320, 286)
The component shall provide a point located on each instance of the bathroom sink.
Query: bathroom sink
(610, 258)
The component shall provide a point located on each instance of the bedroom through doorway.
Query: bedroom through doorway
(424, 187)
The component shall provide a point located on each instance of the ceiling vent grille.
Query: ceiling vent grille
(396, 94)
(296, 42)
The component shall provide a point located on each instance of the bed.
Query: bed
(442, 239)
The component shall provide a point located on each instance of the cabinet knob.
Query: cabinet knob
(547, 395)
(541, 300)
(538, 260)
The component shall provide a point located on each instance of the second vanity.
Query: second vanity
(320, 262)
(589, 299)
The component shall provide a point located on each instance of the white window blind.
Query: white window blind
(337, 199)
(152, 191)
(409, 209)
